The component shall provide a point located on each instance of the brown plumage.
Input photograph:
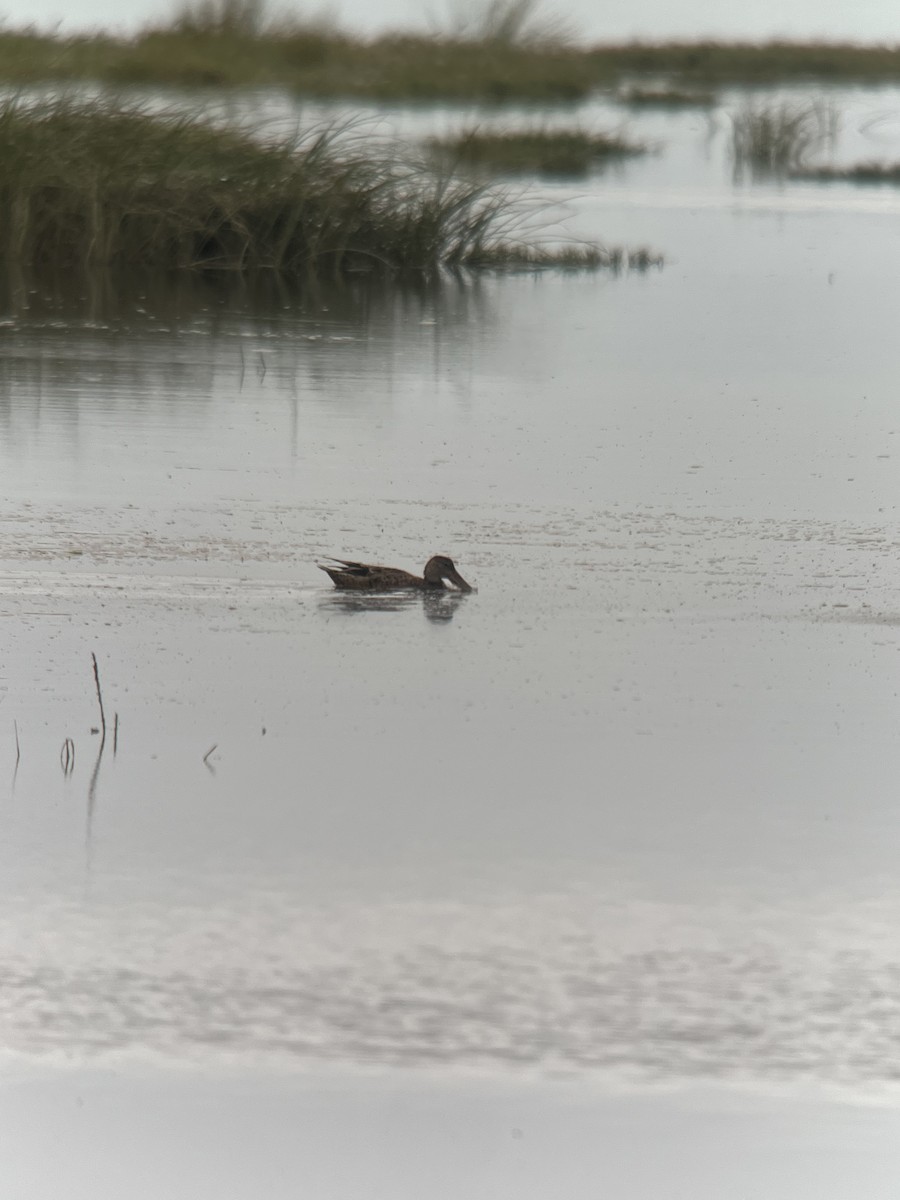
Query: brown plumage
(391, 579)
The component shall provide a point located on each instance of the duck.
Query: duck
(363, 576)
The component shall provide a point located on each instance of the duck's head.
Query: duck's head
(439, 568)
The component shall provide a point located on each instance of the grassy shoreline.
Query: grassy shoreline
(317, 60)
(94, 186)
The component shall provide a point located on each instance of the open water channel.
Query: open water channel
(583, 884)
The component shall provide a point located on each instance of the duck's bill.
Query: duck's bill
(457, 580)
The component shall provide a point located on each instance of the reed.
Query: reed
(774, 139)
(99, 186)
(543, 151)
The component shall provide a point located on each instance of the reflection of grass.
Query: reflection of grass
(776, 138)
(532, 257)
(863, 172)
(544, 151)
(668, 97)
(494, 61)
(98, 187)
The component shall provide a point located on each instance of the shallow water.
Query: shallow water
(628, 812)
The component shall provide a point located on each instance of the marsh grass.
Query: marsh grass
(319, 61)
(862, 173)
(666, 97)
(711, 63)
(544, 151)
(509, 53)
(94, 186)
(777, 138)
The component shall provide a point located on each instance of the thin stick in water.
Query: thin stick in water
(18, 754)
(99, 697)
(115, 733)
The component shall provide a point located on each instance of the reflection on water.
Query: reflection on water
(438, 606)
(145, 304)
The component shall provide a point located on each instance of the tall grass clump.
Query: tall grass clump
(773, 139)
(95, 186)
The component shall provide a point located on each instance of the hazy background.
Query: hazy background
(868, 21)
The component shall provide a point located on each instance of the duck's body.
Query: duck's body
(362, 576)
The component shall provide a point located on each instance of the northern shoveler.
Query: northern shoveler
(391, 579)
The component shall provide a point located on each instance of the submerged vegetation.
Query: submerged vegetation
(566, 152)
(776, 138)
(96, 186)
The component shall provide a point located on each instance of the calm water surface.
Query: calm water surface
(625, 815)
